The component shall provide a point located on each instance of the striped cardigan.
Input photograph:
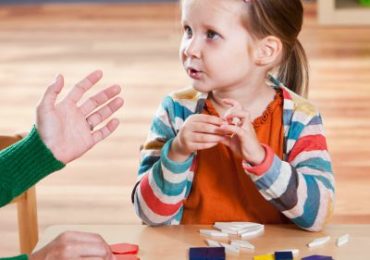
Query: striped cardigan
(301, 186)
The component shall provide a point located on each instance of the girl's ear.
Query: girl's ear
(268, 52)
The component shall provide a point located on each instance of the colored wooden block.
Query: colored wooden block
(216, 253)
(317, 257)
(283, 255)
(198, 253)
(264, 257)
(124, 248)
(207, 253)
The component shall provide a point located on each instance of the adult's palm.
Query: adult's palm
(67, 128)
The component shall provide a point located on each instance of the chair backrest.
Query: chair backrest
(26, 208)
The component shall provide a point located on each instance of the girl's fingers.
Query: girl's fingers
(206, 128)
(226, 141)
(230, 129)
(235, 105)
(206, 138)
(242, 115)
(203, 146)
(214, 120)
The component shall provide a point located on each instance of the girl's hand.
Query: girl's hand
(242, 139)
(199, 132)
(66, 127)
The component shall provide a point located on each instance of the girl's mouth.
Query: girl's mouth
(194, 74)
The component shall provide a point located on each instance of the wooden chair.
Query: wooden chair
(26, 208)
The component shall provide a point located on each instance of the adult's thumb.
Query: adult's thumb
(52, 92)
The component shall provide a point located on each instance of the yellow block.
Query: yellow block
(264, 257)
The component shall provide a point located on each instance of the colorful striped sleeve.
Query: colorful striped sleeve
(162, 183)
(302, 187)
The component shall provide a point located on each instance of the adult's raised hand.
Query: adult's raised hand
(67, 128)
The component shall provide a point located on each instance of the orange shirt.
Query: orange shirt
(221, 190)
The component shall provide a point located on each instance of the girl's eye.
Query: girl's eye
(212, 35)
(187, 31)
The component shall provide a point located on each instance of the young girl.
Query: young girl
(238, 145)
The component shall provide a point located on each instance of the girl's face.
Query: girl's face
(215, 48)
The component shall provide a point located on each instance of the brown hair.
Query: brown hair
(283, 19)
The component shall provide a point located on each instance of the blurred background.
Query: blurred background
(136, 44)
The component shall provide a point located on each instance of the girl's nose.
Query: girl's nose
(192, 48)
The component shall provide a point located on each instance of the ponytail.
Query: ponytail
(293, 72)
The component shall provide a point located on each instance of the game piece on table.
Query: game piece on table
(243, 244)
(288, 255)
(211, 253)
(319, 241)
(124, 248)
(229, 231)
(231, 249)
(317, 257)
(216, 253)
(226, 225)
(342, 240)
(264, 257)
(252, 232)
(251, 228)
(294, 251)
(237, 228)
(198, 253)
(237, 225)
(213, 233)
(213, 243)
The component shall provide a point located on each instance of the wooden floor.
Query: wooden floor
(136, 46)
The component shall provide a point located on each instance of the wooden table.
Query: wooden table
(173, 242)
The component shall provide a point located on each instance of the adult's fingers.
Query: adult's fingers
(82, 245)
(91, 249)
(99, 99)
(76, 236)
(81, 87)
(104, 112)
(50, 96)
(105, 131)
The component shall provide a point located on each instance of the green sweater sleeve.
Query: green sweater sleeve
(23, 164)
(20, 257)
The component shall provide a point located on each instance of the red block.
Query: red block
(124, 248)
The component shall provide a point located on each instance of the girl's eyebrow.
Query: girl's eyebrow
(211, 27)
(205, 25)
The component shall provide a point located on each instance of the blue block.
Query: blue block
(207, 253)
(216, 253)
(284, 255)
(198, 253)
(317, 257)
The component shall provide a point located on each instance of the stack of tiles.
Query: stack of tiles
(236, 232)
